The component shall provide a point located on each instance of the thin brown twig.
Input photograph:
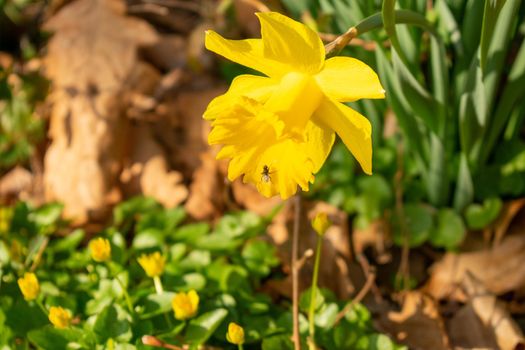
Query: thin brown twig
(360, 296)
(295, 272)
(367, 270)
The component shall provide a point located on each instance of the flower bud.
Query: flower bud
(235, 334)
(321, 223)
(185, 305)
(29, 286)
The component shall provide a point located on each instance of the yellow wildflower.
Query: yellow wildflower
(100, 249)
(235, 334)
(153, 264)
(59, 317)
(321, 223)
(185, 305)
(278, 130)
(29, 286)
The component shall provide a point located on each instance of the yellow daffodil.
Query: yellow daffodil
(235, 334)
(185, 305)
(278, 130)
(321, 223)
(29, 286)
(153, 264)
(100, 249)
(59, 317)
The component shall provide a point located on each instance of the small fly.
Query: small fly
(265, 174)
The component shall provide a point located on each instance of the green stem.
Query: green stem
(240, 347)
(126, 295)
(42, 307)
(158, 285)
(311, 313)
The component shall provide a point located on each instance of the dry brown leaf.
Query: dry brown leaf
(492, 314)
(206, 190)
(500, 269)
(466, 331)
(373, 236)
(90, 57)
(418, 324)
(16, 183)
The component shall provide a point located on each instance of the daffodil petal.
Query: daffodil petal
(347, 79)
(319, 142)
(291, 43)
(248, 52)
(353, 128)
(252, 86)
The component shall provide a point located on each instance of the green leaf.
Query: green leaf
(202, 327)
(490, 16)
(69, 242)
(155, 304)
(416, 223)
(112, 322)
(259, 257)
(191, 233)
(304, 300)
(51, 338)
(325, 317)
(449, 231)
(281, 342)
(464, 194)
(480, 216)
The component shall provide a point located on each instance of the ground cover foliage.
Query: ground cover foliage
(226, 265)
(101, 101)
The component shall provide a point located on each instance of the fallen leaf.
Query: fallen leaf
(90, 56)
(493, 315)
(418, 324)
(499, 268)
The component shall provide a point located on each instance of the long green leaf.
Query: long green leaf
(490, 16)
(464, 194)
(388, 13)
(512, 93)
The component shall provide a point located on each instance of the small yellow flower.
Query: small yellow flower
(100, 249)
(321, 223)
(153, 264)
(185, 305)
(59, 317)
(29, 286)
(235, 334)
(279, 129)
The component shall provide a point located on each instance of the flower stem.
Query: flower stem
(240, 347)
(126, 295)
(42, 307)
(295, 273)
(158, 285)
(313, 292)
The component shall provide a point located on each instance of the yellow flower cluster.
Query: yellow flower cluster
(100, 249)
(278, 130)
(153, 264)
(185, 305)
(29, 286)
